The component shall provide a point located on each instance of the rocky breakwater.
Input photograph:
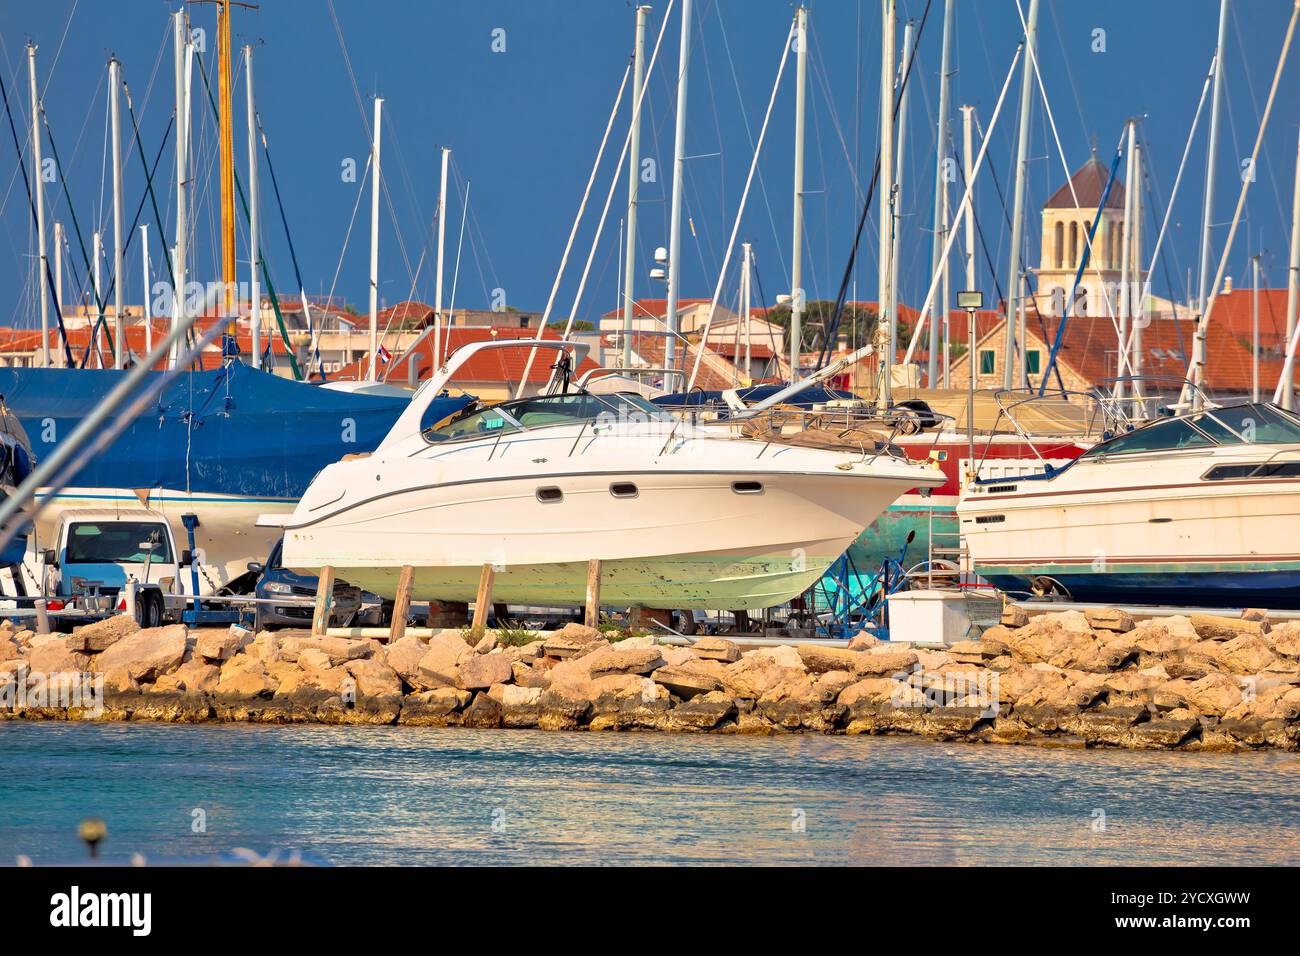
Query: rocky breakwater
(1056, 679)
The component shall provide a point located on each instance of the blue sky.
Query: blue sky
(524, 125)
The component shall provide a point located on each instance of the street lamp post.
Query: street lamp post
(972, 301)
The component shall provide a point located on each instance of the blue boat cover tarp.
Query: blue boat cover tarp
(233, 431)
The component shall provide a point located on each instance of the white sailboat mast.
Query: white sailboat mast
(885, 195)
(941, 198)
(675, 217)
(38, 176)
(633, 182)
(797, 296)
(119, 247)
(374, 242)
(442, 243)
(1013, 361)
(254, 226)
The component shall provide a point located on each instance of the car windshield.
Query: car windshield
(117, 542)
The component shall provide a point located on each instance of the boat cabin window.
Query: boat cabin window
(1249, 424)
(116, 542)
(473, 424)
(557, 409)
(542, 411)
(1275, 469)
(1161, 436)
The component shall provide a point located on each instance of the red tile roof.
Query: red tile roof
(656, 308)
(1234, 311)
(502, 366)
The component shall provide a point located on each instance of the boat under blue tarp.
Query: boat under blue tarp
(233, 430)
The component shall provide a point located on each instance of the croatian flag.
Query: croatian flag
(385, 356)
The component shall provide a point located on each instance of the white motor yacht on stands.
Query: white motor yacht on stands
(681, 517)
(1201, 509)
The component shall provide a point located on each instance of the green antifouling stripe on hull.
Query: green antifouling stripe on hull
(679, 583)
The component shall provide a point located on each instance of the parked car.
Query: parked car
(276, 581)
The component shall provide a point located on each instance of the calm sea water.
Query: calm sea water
(455, 796)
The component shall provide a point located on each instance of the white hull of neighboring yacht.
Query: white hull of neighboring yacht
(1212, 524)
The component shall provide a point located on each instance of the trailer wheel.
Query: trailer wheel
(149, 609)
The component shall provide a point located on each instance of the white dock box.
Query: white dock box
(928, 617)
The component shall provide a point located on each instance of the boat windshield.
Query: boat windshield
(1249, 425)
(1238, 425)
(542, 411)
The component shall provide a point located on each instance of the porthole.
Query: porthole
(623, 489)
(747, 487)
(549, 494)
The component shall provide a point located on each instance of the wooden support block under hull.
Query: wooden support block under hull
(324, 601)
(483, 600)
(401, 604)
(591, 617)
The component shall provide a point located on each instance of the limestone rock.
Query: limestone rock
(676, 656)
(146, 654)
(1013, 617)
(439, 667)
(579, 633)
(483, 711)
(103, 634)
(796, 704)
(686, 682)
(433, 707)
(526, 676)
(563, 706)
(1213, 628)
(374, 678)
(616, 660)
(338, 649)
(716, 649)
(1109, 619)
(863, 642)
(54, 657)
(452, 639)
(218, 645)
(488, 642)
(313, 658)
(1212, 695)
(404, 657)
(699, 713)
(830, 684)
(520, 706)
(250, 680)
(197, 676)
(1247, 654)
(566, 648)
(1284, 639)
(783, 655)
(481, 671)
(753, 676)
(1158, 639)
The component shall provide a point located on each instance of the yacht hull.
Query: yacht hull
(1143, 531)
(683, 540)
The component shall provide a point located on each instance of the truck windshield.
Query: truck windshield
(117, 542)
